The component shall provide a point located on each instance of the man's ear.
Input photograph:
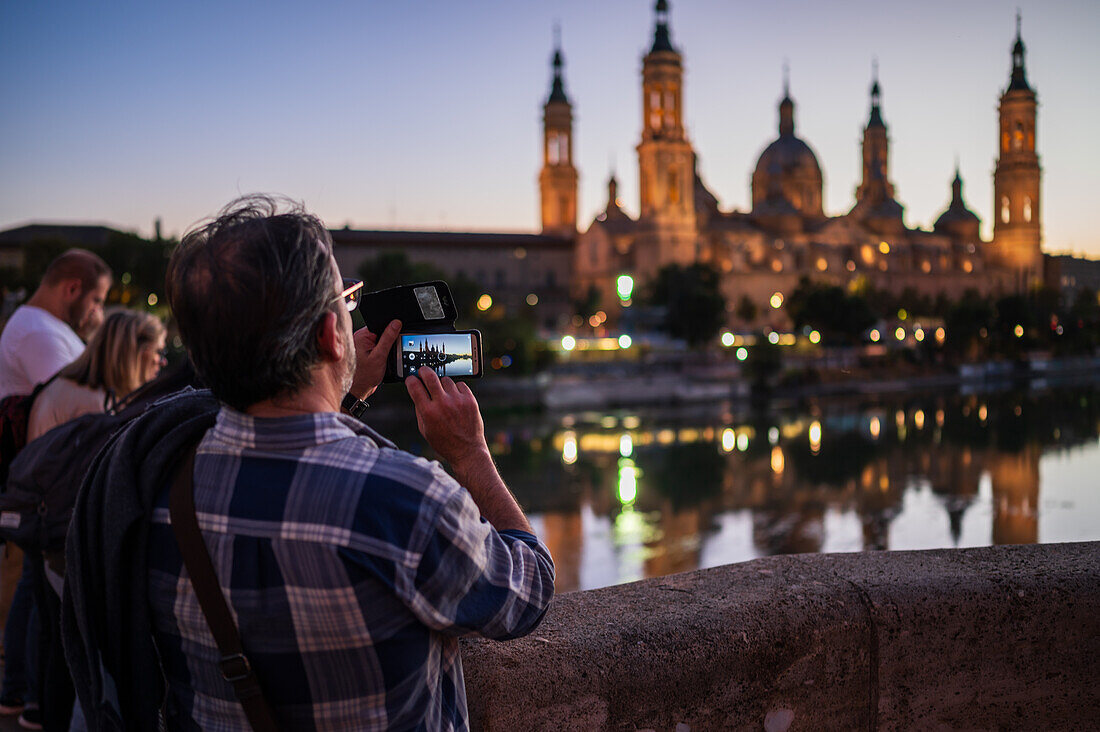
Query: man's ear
(72, 289)
(329, 343)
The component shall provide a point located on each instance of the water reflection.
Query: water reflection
(621, 496)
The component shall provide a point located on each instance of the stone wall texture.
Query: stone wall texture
(993, 638)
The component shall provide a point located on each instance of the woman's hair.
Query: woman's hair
(112, 360)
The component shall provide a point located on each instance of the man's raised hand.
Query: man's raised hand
(371, 352)
(448, 417)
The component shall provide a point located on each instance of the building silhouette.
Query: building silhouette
(787, 235)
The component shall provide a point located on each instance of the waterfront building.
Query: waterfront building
(786, 234)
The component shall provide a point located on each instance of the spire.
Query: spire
(957, 187)
(876, 98)
(786, 105)
(557, 88)
(1019, 74)
(662, 40)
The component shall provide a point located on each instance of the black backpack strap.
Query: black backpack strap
(234, 665)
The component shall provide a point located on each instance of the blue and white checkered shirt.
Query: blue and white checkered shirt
(351, 570)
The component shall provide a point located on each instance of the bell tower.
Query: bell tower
(666, 161)
(558, 177)
(1017, 222)
(876, 146)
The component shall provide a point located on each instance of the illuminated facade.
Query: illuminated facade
(786, 235)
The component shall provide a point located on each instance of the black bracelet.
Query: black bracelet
(356, 407)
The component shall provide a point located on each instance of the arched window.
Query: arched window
(673, 186)
(1018, 137)
(1027, 209)
(553, 149)
(670, 109)
(655, 109)
(1004, 209)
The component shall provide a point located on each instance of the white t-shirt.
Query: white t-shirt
(34, 346)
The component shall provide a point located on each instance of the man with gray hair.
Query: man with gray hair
(350, 567)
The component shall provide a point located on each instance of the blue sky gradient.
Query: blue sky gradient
(425, 114)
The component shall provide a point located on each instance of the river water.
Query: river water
(628, 494)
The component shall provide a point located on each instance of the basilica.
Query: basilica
(786, 235)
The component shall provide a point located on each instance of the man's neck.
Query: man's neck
(321, 396)
(45, 300)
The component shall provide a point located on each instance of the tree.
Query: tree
(964, 323)
(830, 310)
(587, 306)
(746, 309)
(692, 300)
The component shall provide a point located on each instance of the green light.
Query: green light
(625, 286)
(628, 481)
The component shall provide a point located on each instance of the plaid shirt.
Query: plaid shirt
(351, 570)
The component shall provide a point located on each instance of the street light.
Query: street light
(624, 285)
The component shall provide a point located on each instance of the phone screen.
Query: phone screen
(449, 354)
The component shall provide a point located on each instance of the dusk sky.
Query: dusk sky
(426, 114)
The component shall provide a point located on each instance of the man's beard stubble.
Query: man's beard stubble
(349, 359)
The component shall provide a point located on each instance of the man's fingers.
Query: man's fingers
(449, 385)
(385, 342)
(464, 390)
(417, 391)
(431, 382)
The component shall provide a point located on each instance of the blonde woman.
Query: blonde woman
(126, 352)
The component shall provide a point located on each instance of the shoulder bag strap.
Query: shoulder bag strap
(234, 664)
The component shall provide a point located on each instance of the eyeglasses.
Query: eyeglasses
(353, 290)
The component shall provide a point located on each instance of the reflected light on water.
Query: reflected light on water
(729, 440)
(875, 428)
(983, 413)
(628, 481)
(773, 435)
(814, 433)
(631, 422)
(777, 459)
(569, 449)
(918, 419)
(626, 445)
(743, 442)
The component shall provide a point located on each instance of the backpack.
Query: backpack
(15, 415)
(40, 490)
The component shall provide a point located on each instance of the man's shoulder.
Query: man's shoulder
(29, 323)
(386, 473)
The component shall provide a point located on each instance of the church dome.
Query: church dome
(788, 166)
(789, 156)
(958, 220)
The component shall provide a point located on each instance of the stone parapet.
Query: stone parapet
(992, 638)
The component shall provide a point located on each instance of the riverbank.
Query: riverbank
(993, 638)
(604, 386)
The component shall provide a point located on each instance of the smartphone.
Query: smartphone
(456, 354)
(420, 307)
